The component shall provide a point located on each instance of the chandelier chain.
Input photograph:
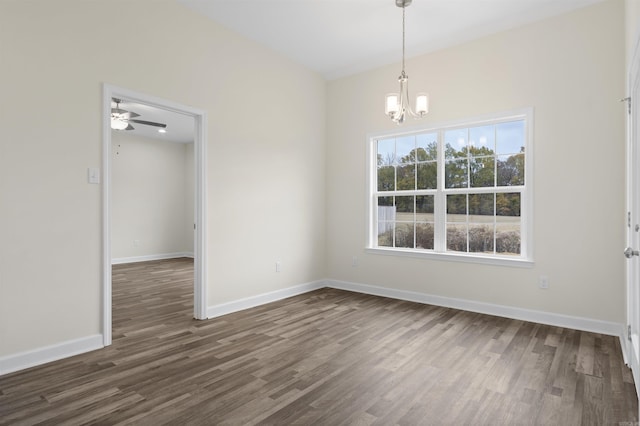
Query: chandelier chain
(403, 8)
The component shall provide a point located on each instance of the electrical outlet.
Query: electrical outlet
(136, 243)
(354, 261)
(278, 266)
(543, 282)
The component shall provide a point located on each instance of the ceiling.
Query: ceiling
(337, 38)
(180, 127)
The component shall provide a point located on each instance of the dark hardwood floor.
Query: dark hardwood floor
(328, 357)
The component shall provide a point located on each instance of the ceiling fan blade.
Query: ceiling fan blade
(149, 123)
(129, 127)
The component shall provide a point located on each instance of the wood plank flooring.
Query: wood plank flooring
(328, 357)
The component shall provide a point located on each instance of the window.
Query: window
(459, 191)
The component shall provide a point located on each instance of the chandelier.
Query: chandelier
(397, 104)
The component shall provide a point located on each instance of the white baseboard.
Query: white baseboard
(625, 345)
(148, 257)
(261, 299)
(541, 317)
(20, 361)
(558, 320)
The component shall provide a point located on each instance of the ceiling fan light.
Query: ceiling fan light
(118, 124)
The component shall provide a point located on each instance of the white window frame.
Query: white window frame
(525, 259)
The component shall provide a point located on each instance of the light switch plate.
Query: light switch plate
(94, 175)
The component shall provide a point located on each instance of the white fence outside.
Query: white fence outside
(386, 218)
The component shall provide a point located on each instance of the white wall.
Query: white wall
(570, 69)
(265, 197)
(152, 189)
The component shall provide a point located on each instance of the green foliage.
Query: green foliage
(386, 178)
(404, 204)
(425, 204)
(511, 171)
(457, 204)
(508, 204)
(480, 167)
(430, 153)
(481, 204)
(417, 170)
(427, 175)
(456, 174)
(469, 167)
(406, 177)
(385, 201)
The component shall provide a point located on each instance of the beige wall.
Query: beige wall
(278, 171)
(570, 69)
(632, 27)
(190, 192)
(265, 196)
(151, 197)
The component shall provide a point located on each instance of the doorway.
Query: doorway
(199, 204)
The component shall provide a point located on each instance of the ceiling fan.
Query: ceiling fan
(121, 119)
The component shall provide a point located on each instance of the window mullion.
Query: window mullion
(495, 157)
(415, 216)
(440, 211)
(495, 223)
(467, 218)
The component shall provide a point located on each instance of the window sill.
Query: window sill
(454, 257)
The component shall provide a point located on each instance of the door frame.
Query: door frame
(631, 346)
(200, 270)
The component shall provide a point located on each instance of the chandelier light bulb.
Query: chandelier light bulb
(392, 105)
(422, 104)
